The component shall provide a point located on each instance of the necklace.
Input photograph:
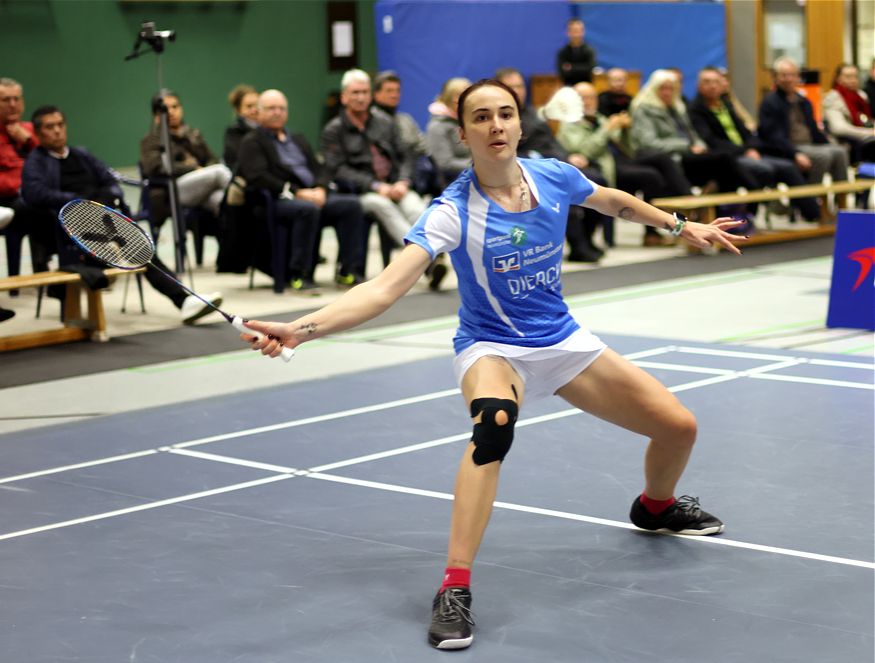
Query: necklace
(522, 204)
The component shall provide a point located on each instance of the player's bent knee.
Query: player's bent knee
(494, 434)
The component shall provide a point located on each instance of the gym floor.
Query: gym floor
(169, 496)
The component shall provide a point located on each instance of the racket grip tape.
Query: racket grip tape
(237, 322)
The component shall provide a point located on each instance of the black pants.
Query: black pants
(39, 226)
(343, 212)
(718, 166)
(299, 225)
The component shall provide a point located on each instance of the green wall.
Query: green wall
(71, 53)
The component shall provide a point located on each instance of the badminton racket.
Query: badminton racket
(116, 240)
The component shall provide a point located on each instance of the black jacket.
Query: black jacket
(712, 132)
(233, 136)
(347, 151)
(774, 129)
(582, 61)
(259, 163)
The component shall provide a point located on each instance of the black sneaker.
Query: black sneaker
(451, 619)
(682, 517)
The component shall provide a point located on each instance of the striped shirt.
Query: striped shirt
(508, 264)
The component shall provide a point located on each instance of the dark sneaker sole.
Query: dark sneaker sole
(460, 643)
(706, 531)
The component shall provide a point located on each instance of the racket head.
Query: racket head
(106, 234)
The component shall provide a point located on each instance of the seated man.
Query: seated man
(387, 97)
(719, 126)
(200, 179)
(54, 174)
(788, 130)
(616, 99)
(271, 158)
(364, 154)
(17, 140)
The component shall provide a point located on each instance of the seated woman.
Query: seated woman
(660, 124)
(847, 112)
(244, 101)
(450, 155)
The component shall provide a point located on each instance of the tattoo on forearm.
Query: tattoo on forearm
(309, 328)
(626, 213)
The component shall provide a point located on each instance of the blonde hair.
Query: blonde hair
(452, 88)
(648, 94)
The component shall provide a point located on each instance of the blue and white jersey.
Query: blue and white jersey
(508, 264)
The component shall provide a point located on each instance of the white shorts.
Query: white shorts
(543, 370)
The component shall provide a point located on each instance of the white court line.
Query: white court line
(731, 353)
(685, 368)
(729, 376)
(146, 506)
(823, 381)
(268, 467)
(320, 418)
(841, 364)
(90, 463)
(600, 521)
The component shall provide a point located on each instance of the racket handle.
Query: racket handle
(237, 322)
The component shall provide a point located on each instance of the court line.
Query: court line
(599, 521)
(294, 423)
(146, 506)
(76, 466)
(288, 473)
(822, 381)
(725, 377)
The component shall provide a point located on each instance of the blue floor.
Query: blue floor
(301, 550)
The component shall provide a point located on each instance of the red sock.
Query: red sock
(456, 577)
(656, 506)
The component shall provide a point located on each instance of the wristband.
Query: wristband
(679, 222)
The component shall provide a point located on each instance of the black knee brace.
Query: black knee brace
(492, 440)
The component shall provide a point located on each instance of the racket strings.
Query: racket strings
(109, 236)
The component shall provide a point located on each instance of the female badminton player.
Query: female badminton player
(503, 224)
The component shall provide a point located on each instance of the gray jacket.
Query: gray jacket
(450, 154)
(654, 130)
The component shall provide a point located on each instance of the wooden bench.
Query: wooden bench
(705, 208)
(75, 326)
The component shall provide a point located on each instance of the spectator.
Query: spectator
(364, 153)
(870, 84)
(54, 174)
(788, 130)
(605, 142)
(450, 154)
(272, 158)
(387, 97)
(730, 99)
(576, 60)
(538, 142)
(847, 112)
(660, 124)
(616, 99)
(722, 130)
(200, 179)
(244, 101)
(17, 140)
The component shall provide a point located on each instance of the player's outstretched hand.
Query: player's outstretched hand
(704, 235)
(272, 337)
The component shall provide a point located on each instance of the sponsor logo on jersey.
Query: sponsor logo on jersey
(556, 208)
(517, 236)
(506, 263)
